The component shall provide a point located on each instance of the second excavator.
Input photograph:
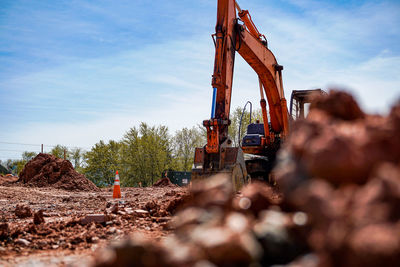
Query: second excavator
(236, 32)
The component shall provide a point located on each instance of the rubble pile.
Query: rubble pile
(338, 205)
(168, 206)
(47, 170)
(77, 221)
(217, 227)
(341, 167)
(38, 235)
(165, 181)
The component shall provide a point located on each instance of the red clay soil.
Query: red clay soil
(22, 211)
(213, 230)
(7, 180)
(165, 181)
(47, 170)
(62, 227)
(339, 173)
(342, 168)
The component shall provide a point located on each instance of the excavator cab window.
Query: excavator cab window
(300, 102)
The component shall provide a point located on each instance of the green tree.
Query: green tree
(16, 166)
(146, 153)
(3, 169)
(102, 161)
(185, 141)
(27, 156)
(58, 151)
(76, 156)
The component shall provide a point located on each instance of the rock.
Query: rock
(97, 218)
(114, 209)
(141, 213)
(170, 193)
(373, 245)
(152, 206)
(257, 196)
(38, 217)
(177, 203)
(4, 231)
(216, 191)
(339, 150)
(22, 211)
(338, 104)
(22, 242)
(341, 169)
(225, 247)
(136, 251)
(279, 243)
(112, 230)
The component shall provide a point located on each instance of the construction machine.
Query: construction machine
(254, 157)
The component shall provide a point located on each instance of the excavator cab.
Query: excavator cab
(259, 155)
(300, 101)
(255, 132)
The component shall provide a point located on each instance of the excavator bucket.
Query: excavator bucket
(229, 160)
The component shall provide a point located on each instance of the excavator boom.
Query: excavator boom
(233, 34)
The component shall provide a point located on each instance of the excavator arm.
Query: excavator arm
(231, 37)
(217, 126)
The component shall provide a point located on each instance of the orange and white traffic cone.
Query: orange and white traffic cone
(117, 187)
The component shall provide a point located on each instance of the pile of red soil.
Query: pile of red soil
(163, 182)
(47, 170)
(342, 168)
(216, 228)
(7, 180)
(340, 177)
(167, 206)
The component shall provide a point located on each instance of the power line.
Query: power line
(10, 150)
(10, 143)
(24, 144)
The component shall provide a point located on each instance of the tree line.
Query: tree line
(142, 155)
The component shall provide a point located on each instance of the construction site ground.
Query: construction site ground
(63, 239)
(336, 203)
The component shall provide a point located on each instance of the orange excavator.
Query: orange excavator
(236, 32)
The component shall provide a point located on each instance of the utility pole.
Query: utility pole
(42, 149)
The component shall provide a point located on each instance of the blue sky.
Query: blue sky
(75, 72)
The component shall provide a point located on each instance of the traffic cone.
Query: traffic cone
(117, 187)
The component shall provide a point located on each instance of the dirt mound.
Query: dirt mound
(341, 168)
(213, 231)
(163, 182)
(47, 170)
(7, 180)
(167, 206)
(331, 146)
(338, 104)
(340, 175)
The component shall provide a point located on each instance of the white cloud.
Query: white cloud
(170, 83)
